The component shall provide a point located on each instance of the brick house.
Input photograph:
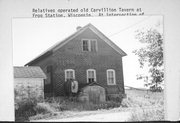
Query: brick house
(86, 56)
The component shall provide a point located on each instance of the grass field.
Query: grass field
(145, 105)
(142, 105)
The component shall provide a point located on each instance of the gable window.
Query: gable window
(85, 45)
(111, 79)
(93, 45)
(69, 74)
(91, 75)
(89, 45)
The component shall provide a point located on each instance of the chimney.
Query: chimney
(78, 27)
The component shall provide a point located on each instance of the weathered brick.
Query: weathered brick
(71, 56)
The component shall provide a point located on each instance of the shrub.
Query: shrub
(64, 103)
(59, 106)
(25, 110)
(115, 97)
(44, 108)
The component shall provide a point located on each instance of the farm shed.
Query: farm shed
(93, 93)
(29, 82)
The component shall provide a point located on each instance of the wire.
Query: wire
(130, 26)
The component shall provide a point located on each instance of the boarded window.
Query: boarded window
(111, 80)
(69, 74)
(91, 75)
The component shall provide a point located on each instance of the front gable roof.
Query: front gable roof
(78, 32)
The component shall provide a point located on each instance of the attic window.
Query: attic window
(89, 45)
(93, 45)
(85, 45)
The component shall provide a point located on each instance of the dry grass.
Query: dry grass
(72, 104)
(62, 105)
(145, 106)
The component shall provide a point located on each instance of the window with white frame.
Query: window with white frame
(91, 75)
(93, 45)
(111, 78)
(85, 44)
(69, 74)
(89, 45)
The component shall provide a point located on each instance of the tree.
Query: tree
(152, 55)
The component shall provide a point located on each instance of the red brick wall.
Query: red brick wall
(71, 56)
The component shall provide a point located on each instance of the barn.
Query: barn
(29, 82)
(86, 56)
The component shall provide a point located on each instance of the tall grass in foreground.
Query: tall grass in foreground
(145, 106)
(143, 114)
(53, 105)
(72, 104)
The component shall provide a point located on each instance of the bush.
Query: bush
(25, 110)
(31, 108)
(64, 103)
(44, 108)
(115, 97)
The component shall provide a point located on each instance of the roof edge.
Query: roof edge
(64, 41)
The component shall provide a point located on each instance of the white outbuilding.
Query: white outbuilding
(29, 82)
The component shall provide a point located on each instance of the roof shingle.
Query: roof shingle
(29, 72)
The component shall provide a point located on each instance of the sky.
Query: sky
(32, 36)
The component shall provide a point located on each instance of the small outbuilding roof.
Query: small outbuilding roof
(92, 84)
(29, 72)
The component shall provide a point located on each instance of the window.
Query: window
(89, 45)
(93, 45)
(111, 79)
(85, 45)
(91, 75)
(69, 74)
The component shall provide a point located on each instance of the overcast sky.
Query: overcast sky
(33, 36)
